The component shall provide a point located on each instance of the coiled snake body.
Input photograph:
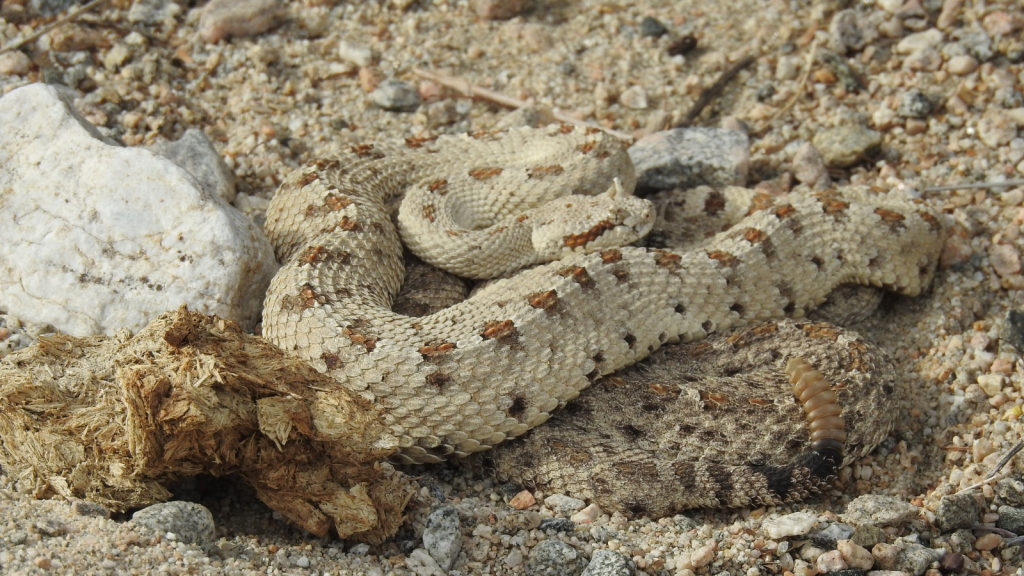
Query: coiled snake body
(497, 364)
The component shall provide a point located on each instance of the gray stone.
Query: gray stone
(190, 523)
(868, 535)
(958, 541)
(957, 511)
(564, 505)
(443, 536)
(558, 525)
(850, 31)
(652, 28)
(879, 511)
(914, 559)
(826, 537)
(1011, 489)
(844, 146)
(809, 167)
(1011, 519)
(99, 237)
(195, 153)
(914, 104)
(609, 563)
(555, 558)
(50, 7)
(153, 11)
(396, 95)
(86, 508)
(978, 44)
(690, 157)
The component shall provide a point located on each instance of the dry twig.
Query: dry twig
(714, 91)
(70, 17)
(465, 87)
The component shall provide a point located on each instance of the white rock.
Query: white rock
(99, 237)
(563, 504)
(358, 54)
(420, 562)
(634, 97)
(930, 38)
(796, 524)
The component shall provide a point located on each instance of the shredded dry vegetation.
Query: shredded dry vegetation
(116, 419)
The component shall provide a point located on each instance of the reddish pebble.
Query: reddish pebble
(522, 501)
(5, 333)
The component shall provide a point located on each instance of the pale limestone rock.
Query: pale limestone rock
(99, 237)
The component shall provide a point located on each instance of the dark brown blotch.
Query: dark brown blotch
(487, 173)
(332, 361)
(714, 203)
(579, 275)
(546, 301)
(545, 171)
(438, 379)
(584, 238)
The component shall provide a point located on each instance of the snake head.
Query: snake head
(588, 223)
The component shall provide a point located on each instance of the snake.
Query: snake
(550, 215)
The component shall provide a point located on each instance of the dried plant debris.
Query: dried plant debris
(114, 420)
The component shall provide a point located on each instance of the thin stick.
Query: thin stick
(974, 186)
(714, 91)
(500, 99)
(56, 23)
(995, 470)
(803, 81)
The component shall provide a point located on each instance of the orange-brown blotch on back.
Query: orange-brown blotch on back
(584, 238)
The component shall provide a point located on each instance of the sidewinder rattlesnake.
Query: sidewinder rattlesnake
(497, 364)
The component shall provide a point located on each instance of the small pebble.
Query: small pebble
(850, 30)
(796, 524)
(190, 522)
(1002, 23)
(564, 505)
(914, 104)
(703, 556)
(224, 19)
(634, 97)
(988, 542)
(15, 62)
(961, 65)
(652, 28)
(587, 515)
(996, 128)
(855, 556)
(555, 558)
(442, 538)
(809, 167)
(831, 561)
(358, 54)
(682, 46)
(846, 145)
(609, 563)
(497, 9)
(522, 500)
(950, 14)
(920, 41)
(396, 95)
(877, 510)
(957, 511)
(558, 525)
(1012, 519)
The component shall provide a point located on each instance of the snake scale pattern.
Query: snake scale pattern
(492, 367)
